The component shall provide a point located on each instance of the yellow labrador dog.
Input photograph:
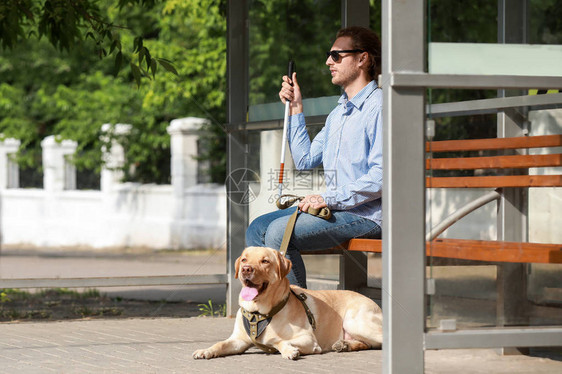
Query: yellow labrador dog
(337, 320)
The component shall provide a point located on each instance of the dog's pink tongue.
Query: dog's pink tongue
(248, 293)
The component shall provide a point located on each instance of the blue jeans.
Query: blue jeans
(310, 233)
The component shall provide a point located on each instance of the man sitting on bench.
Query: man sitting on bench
(349, 144)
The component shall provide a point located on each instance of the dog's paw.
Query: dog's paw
(317, 349)
(204, 353)
(340, 346)
(291, 353)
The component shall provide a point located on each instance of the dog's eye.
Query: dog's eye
(265, 261)
(243, 260)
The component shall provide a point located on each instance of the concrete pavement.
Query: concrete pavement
(69, 263)
(165, 345)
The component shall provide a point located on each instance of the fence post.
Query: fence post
(184, 133)
(56, 175)
(9, 172)
(114, 158)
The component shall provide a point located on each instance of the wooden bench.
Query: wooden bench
(508, 171)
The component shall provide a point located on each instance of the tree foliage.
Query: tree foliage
(545, 22)
(287, 29)
(53, 84)
(68, 23)
(454, 22)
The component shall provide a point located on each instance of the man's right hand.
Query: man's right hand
(291, 93)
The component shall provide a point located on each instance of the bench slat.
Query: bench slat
(478, 250)
(495, 181)
(497, 251)
(494, 162)
(495, 143)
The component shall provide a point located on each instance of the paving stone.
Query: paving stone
(165, 345)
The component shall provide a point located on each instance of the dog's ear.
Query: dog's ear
(237, 267)
(283, 265)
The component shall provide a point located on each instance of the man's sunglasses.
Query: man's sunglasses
(335, 55)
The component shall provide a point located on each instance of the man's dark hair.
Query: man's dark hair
(366, 40)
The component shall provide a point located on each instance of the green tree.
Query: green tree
(288, 29)
(66, 24)
(545, 22)
(71, 92)
(457, 22)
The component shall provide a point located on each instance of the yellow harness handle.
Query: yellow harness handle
(290, 200)
(285, 201)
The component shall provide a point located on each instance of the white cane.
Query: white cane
(285, 125)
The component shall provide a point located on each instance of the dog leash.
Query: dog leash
(321, 213)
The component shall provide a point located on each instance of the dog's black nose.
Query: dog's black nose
(247, 269)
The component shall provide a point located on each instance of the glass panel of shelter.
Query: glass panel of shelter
(281, 30)
(526, 41)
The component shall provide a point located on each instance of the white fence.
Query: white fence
(183, 215)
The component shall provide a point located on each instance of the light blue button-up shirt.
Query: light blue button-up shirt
(350, 148)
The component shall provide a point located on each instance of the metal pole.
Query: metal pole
(237, 107)
(403, 255)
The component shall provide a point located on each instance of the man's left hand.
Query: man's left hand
(312, 201)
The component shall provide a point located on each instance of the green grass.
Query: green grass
(62, 303)
(209, 310)
(44, 304)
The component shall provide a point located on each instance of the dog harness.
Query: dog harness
(255, 322)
